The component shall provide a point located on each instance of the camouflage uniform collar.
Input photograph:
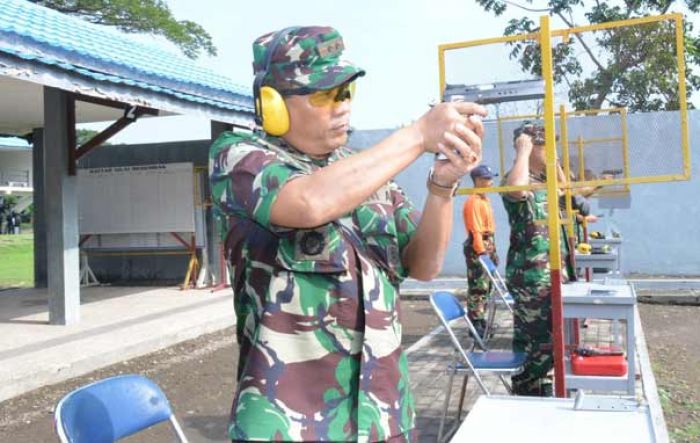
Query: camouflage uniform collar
(533, 177)
(301, 159)
(538, 177)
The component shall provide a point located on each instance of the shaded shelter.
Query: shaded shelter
(57, 71)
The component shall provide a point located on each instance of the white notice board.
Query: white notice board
(136, 199)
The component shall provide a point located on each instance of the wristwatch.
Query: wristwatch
(441, 191)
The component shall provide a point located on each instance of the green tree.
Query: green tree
(8, 201)
(84, 135)
(139, 16)
(633, 67)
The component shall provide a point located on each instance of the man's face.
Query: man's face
(483, 182)
(539, 154)
(317, 129)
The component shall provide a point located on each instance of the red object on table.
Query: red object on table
(604, 365)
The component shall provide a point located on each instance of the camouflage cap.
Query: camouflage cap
(307, 59)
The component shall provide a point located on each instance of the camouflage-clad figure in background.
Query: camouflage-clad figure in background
(480, 286)
(481, 228)
(318, 239)
(527, 267)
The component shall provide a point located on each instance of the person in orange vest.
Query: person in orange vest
(479, 223)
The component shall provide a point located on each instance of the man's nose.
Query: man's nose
(342, 107)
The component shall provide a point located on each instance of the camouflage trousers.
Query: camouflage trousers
(479, 284)
(532, 324)
(411, 436)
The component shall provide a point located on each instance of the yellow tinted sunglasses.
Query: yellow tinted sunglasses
(333, 96)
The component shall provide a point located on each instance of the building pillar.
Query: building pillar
(39, 212)
(61, 214)
(212, 225)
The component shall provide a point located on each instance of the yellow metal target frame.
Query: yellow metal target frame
(565, 145)
(566, 34)
(545, 39)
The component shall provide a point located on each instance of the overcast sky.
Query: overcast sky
(395, 41)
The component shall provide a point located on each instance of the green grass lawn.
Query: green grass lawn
(16, 260)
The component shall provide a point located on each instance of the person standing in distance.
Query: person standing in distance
(477, 213)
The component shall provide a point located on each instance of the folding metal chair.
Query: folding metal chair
(476, 363)
(111, 409)
(503, 296)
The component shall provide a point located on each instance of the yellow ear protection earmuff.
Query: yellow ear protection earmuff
(270, 111)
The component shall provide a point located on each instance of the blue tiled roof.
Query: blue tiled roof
(69, 43)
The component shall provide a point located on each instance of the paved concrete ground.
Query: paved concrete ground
(117, 323)
(427, 361)
(662, 288)
(120, 323)
(428, 358)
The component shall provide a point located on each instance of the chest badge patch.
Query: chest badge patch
(312, 243)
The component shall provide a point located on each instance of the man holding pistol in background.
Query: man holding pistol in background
(527, 268)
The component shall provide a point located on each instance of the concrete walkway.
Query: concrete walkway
(120, 323)
(661, 290)
(429, 357)
(427, 361)
(117, 323)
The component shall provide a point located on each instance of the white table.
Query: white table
(552, 420)
(608, 261)
(619, 304)
(613, 241)
(615, 244)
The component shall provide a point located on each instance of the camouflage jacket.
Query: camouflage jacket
(319, 323)
(527, 263)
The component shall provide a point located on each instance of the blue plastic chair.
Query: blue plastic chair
(503, 296)
(474, 363)
(111, 409)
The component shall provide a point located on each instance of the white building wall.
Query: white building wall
(15, 166)
(661, 228)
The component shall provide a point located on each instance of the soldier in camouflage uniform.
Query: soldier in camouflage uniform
(319, 239)
(527, 266)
